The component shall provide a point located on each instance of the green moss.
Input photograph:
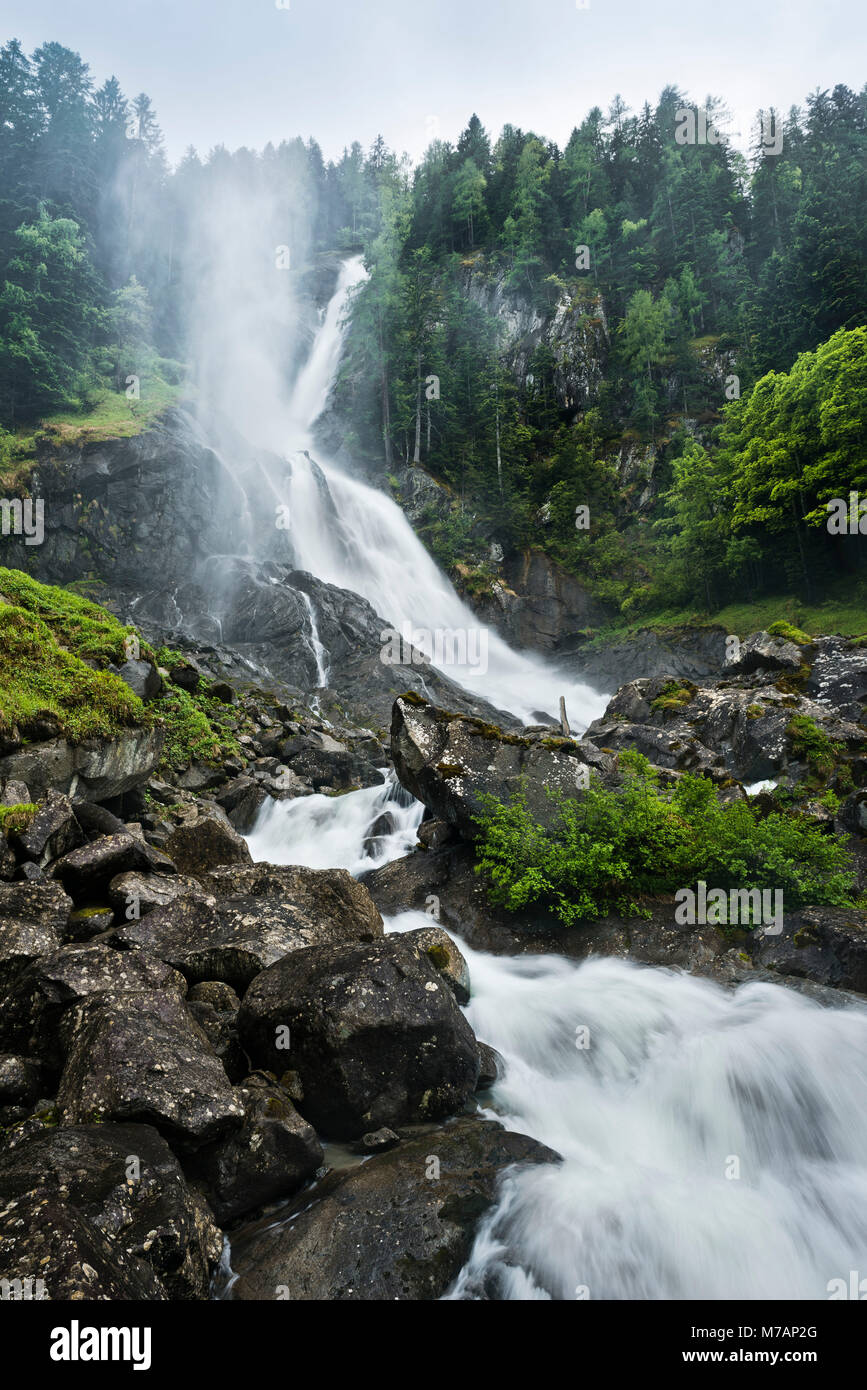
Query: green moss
(41, 680)
(439, 956)
(16, 817)
(791, 634)
(193, 731)
(674, 696)
(754, 711)
(813, 744)
(76, 623)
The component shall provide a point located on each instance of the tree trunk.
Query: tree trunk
(416, 458)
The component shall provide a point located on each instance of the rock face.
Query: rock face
(449, 761)
(690, 652)
(53, 831)
(273, 1153)
(373, 1032)
(140, 1056)
(400, 1226)
(96, 769)
(126, 1183)
(536, 604)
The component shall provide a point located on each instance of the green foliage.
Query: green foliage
(77, 624)
(813, 744)
(611, 848)
(16, 817)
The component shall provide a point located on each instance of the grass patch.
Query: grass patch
(41, 681)
(16, 817)
(76, 623)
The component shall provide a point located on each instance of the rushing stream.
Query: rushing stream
(714, 1142)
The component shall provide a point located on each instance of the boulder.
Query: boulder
(141, 1056)
(33, 918)
(31, 1016)
(441, 951)
(19, 1078)
(148, 891)
(43, 1237)
(201, 844)
(269, 1157)
(762, 652)
(449, 761)
(91, 868)
(124, 1180)
(142, 677)
(827, 945)
(266, 913)
(95, 769)
(399, 1226)
(52, 832)
(373, 1031)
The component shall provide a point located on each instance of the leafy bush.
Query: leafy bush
(611, 848)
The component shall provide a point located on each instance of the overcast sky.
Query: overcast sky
(242, 72)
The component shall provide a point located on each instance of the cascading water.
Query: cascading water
(353, 536)
(714, 1141)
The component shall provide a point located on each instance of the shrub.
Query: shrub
(604, 852)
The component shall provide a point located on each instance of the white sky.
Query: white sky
(242, 72)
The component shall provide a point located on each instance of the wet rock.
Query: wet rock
(41, 1236)
(206, 842)
(443, 954)
(399, 1226)
(53, 831)
(142, 677)
(15, 794)
(33, 918)
(448, 761)
(827, 945)
(373, 1031)
(32, 1014)
(141, 1056)
(19, 1078)
(241, 799)
(376, 1142)
(124, 1180)
(96, 768)
(491, 1067)
(269, 1157)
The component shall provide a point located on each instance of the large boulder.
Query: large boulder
(95, 769)
(762, 652)
(373, 1031)
(269, 1157)
(124, 1180)
(448, 761)
(31, 1015)
(201, 844)
(827, 945)
(141, 1056)
(91, 868)
(43, 1238)
(33, 918)
(400, 1226)
(261, 914)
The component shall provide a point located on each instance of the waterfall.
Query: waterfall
(316, 646)
(352, 535)
(361, 830)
